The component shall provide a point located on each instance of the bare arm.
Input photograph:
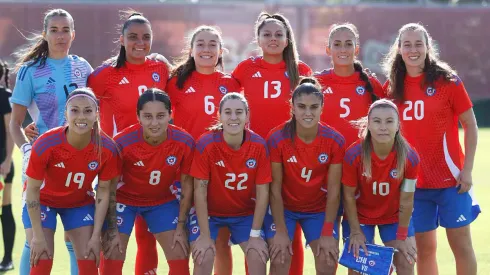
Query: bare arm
(34, 206)
(201, 201)
(9, 141)
(276, 202)
(351, 208)
(111, 217)
(470, 127)
(406, 207)
(333, 195)
(185, 199)
(18, 115)
(102, 203)
(261, 203)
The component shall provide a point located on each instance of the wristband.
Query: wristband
(254, 233)
(402, 233)
(327, 229)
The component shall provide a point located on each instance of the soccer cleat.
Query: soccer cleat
(6, 266)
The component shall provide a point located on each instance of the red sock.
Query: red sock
(43, 267)
(178, 267)
(101, 262)
(112, 267)
(87, 267)
(246, 266)
(298, 253)
(146, 255)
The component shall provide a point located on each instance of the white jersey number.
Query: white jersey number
(208, 105)
(77, 178)
(155, 177)
(142, 89)
(418, 110)
(306, 174)
(276, 85)
(382, 188)
(345, 107)
(233, 177)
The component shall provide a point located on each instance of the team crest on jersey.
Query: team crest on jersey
(77, 73)
(394, 173)
(430, 91)
(171, 160)
(43, 216)
(273, 227)
(222, 89)
(93, 165)
(251, 163)
(119, 221)
(360, 90)
(195, 230)
(286, 74)
(156, 77)
(323, 158)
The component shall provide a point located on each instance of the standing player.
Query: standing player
(347, 89)
(432, 100)
(146, 182)
(267, 82)
(118, 83)
(232, 173)
(196, 87)
(379, 177)
(46, 74)
(306, 155)
(63, 163)
(6, 170)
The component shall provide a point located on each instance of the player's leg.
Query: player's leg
(387, 233)
(71, 253)
(279, 265)
(312, 224)
(367, 230)
(161, 223)
(206, 266)
(48, 222)
(126, 216)
(425, 220)
(223, 263)
(79, 226)
(146, 253)
(457, 212)
(8, 223)
(297, 260)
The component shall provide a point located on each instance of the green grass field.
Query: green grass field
(481, 236)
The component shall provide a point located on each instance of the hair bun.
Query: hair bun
(308, 79)
(135, 14)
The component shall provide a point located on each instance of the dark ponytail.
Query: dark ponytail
(364, 77)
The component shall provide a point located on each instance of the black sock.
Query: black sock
(8, 228)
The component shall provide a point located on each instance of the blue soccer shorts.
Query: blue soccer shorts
(71, 218)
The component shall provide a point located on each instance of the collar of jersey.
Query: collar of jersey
(136, 67)
(243, 149)
(280, 65)
(57, 62)
(416, 79)
(353, 78)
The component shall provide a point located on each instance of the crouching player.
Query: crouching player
(306, 155)
(154, 154)
(380, 170)
(63, 163)
(231, 168)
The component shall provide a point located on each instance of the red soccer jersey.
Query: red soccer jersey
(378, 198)
(305, 166)
(232, 174)
(68, 172)
(119, 89)
(149, 171)
(430, 123)
(196, 105)
(267, 89)
(346, 99)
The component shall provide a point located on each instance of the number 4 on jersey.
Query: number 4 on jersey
(306, 174)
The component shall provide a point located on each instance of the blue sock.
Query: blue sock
(73, 259)
(25, 265)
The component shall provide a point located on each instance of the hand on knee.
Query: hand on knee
(403, 266)
(326, 266)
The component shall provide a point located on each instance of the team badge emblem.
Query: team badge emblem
(119, 220)
(156, 77)
(93, 165)
(430, 91)
(77, 73)
(360, 90)
(394, 173)
(322, 158)
(171, 160)
(251, 163)
(223, 90)
(195, 229)
(43, 216)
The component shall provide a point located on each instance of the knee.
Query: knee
(253, 258)
(324, 267)
(208, 258)
(403, 267)
(426, 250)
(278, 260)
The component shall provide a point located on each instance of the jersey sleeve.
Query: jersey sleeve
(349, 172)
(24, 90)
(4, 103)
(274, 150)
(106, 117)
(200, 168)
(338, 151)
(38, 160)
(186, 165)
(378, 89)
(460, 101)
(386, 87)
(413, 164)
(239, 72)
(96, 81)
(304, 70)
(111, 167)
(234, 85)
(264, 171)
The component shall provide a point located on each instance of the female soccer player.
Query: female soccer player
(196, 87)
(432, 101)
(6, 170)
(64, 161)
(306, 155)
(146, 182)
(268, 81)
(46, 74)
(118, 83)
(231, 170)
(347, 89)
(379, 177)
